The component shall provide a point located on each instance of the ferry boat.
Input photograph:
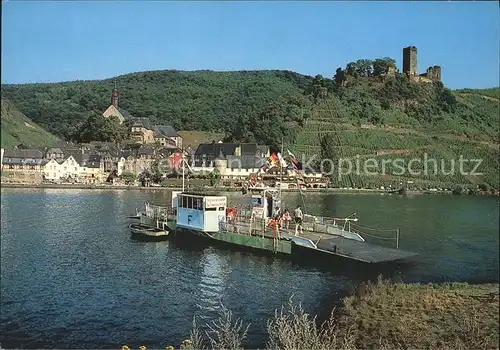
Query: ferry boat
(207, 217)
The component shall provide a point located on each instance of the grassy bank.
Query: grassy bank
(383, 315)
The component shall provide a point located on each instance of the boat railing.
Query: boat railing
(327, 225)
(159, 212)
(390, 237)
(349, 228)
(243, 223)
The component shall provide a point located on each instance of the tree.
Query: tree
(364, 68)
(128, 177)
(381, 66)
(156, 174)
(340, 77)
(98, 128)
(329, 152)
(484, 187)
(145, 177)
(278, 120)
(360, 68)
(372, 114)
(319, 88)
(214, 177)
(351, 69)
(241, 130)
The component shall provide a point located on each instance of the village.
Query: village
(154, 155)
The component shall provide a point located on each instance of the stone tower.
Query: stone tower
(410, 60)
(437, 73)
(220, 163)
(114, 96)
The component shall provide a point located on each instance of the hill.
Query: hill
(362, 110)
(391, 118)
(201, 100)
(17, 128)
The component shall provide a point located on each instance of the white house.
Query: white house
(60, 169)
(50, 170)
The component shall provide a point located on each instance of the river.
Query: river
(72, 277)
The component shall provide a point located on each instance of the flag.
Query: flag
(282, 161)
(273, 160)
(293, 166)
(293, 159)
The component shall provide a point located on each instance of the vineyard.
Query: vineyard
(390, 155)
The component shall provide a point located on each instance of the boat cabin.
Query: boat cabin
(200, 212)
(265, 204)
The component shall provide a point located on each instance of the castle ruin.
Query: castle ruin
(410, 60)
(410, 67)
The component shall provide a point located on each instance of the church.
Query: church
(114, 110)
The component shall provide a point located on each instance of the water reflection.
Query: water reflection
(213, 280)
(69, 267)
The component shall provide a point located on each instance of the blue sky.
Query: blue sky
(62, 41)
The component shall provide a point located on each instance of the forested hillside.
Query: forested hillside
(365, 108)
(18, 129)
(201, 100)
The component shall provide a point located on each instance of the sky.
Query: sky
(85, 40)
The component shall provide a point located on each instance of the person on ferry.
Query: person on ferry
(286, 218)
(273, 223)
(299, 219)
(277, 213)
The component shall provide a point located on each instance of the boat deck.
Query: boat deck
(328, 243)
(361, 251)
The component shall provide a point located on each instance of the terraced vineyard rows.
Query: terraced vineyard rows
(399, 154)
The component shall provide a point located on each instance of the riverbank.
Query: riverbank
(163, 188)
(204, 189)
(221, 189)
(383, 315)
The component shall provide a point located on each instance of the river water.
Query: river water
(72, 277)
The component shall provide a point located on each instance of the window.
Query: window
(75, 168)
(11, 166)
(32, 167)
(21, 166)
(198, 203)
(190, 202)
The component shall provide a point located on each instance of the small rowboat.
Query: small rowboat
(147, 231)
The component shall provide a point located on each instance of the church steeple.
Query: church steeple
(114, 96)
